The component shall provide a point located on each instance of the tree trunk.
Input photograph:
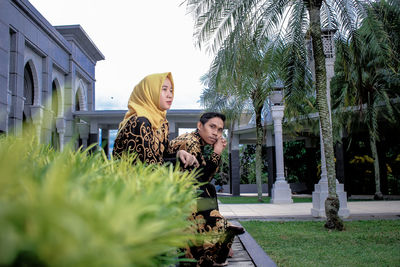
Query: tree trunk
(259, 162)
(378, 194)
(372, 141)
(332, 202)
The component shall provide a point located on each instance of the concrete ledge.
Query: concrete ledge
(247, 188)
(275, 218)
(297, 188)
(256, 253)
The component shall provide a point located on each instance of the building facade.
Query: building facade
(46, 73)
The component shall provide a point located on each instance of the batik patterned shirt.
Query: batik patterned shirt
(137, 136)
(194, 144)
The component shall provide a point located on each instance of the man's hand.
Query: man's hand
(220, 145)
(187, 159)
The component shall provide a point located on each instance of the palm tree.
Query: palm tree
(215, 20)
(362, 80)
(215, 98)
(243, 69)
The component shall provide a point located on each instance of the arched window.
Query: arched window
(28, 85)
(55, 140)
(77, 104)
(28, 93)
(80, 96)
(54, 98)
(77, 108)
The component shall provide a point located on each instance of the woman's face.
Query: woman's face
(166, 95)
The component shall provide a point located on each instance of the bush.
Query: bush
(248, 165)
(295, 161)
(73, 209)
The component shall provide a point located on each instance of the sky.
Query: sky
(137, 38)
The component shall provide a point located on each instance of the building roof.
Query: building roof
(77, 33)
(42, 22)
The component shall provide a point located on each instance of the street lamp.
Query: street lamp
(281, 192)
(276, 95)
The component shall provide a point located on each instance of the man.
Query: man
(207, 217)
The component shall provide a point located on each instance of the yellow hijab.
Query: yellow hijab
(145, 100)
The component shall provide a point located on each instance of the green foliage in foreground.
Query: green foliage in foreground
(71, 209)
(363, 243)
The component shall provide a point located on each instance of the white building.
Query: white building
(46, 73)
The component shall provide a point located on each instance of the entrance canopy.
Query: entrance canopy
(90, 122)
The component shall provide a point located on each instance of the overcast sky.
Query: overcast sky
(137, 38)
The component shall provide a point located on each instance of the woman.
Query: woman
(144, 129)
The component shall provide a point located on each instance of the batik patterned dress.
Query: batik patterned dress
(207, 219)
(137, 136)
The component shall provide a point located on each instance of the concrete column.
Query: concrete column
(47, 68)
(16, 83)
(83, 129)
(324, 173)
(105, 135)
(37, 112)
(4, 74)
(60, 126)
(5, 117)
(91, 96)
(47, 125)
(235, 166)
(93, 134)
(281, 192)
(173, 131)
(68, 107)
(5, 108)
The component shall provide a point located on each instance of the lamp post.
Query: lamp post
(281, 192)
(320, 192)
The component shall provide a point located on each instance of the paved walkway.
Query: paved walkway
(248, 253)
(299, 211)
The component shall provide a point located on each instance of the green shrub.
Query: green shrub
(248, 164)
(73, 209)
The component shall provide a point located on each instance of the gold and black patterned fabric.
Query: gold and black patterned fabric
(137, 136)
(194, 144)
(207, 221)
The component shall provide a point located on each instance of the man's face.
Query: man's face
(211, 130)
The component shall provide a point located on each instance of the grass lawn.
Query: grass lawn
(363, 243)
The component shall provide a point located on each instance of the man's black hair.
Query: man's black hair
(209, 115)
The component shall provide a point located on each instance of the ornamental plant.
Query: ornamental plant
(73, 208)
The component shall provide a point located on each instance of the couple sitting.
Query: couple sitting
(144, 131)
